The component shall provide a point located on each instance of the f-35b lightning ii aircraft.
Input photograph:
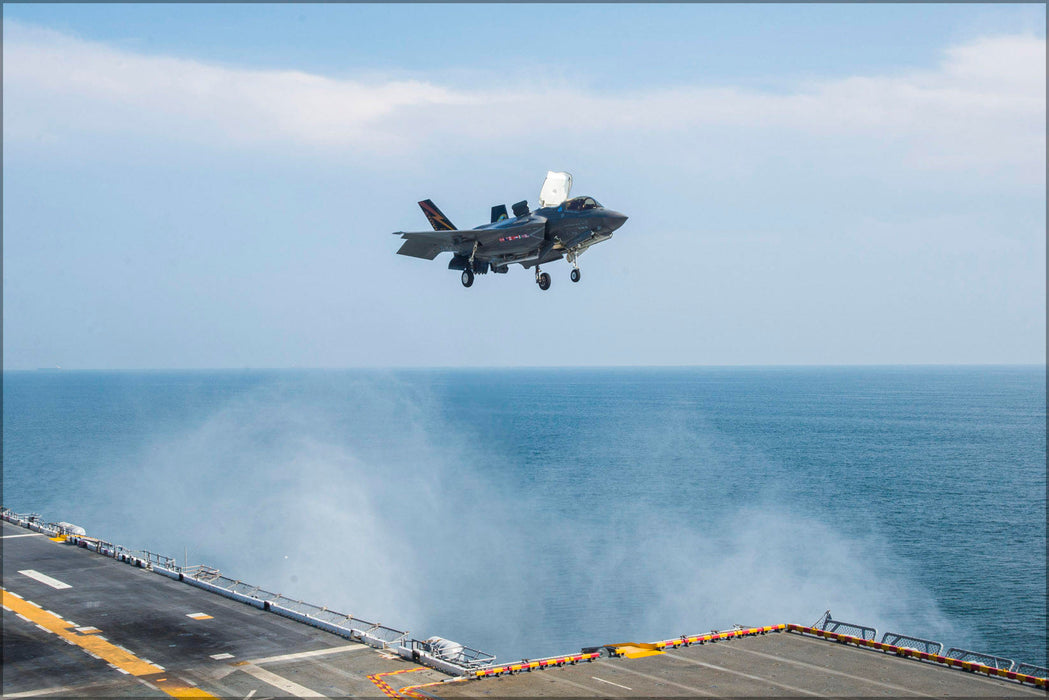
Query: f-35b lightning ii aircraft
(560, 228)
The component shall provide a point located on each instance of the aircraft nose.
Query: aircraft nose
(615, 219)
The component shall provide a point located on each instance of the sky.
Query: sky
(214, 186)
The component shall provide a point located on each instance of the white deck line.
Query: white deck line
(610, 683)
(44, 578)
(308, 654)
(658, 679)
(823, 669)
(40, 691)
(289, 687)
(741, 674)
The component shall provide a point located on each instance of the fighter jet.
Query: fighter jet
(559, 228)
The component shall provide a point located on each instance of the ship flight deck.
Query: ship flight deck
(79, 624)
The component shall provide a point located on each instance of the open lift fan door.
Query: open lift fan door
(556, 189)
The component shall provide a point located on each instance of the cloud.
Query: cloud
(109, 89)
(982, 106)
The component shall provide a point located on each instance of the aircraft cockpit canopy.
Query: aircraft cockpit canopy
(581, 204)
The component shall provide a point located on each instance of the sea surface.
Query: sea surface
(531, 512)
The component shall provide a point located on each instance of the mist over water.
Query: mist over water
(532, 513)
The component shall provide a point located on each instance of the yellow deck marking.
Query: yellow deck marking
(410, 691)
(637, 651)
(99, 647)
(200, 616)
(177, 689)
(387, 690)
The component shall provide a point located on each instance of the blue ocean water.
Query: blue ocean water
(534, 511)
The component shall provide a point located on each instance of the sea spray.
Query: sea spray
(366, 497)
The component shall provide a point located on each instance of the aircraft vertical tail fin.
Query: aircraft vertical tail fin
(499, 213)
(436, 218)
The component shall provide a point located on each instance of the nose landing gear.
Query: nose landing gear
(468, 277)
(576, 273)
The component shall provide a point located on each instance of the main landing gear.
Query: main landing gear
(542, 279)
(468, 271)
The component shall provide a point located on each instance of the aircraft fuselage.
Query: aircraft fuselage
(559, 228)
(565, 231)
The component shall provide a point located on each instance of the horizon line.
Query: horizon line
(800, 365)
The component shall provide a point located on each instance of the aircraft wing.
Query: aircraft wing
(429, 244)
(425, 244)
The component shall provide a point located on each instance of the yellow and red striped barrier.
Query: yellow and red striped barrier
(537, 664)
(685, 641)
(924, 656)
(633, 649)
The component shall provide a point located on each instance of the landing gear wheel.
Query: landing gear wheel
(468, 277)
(544, 281)
(576, 274)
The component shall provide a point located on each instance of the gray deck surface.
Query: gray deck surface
(776, 664)
(147, 614)
(270, 656)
